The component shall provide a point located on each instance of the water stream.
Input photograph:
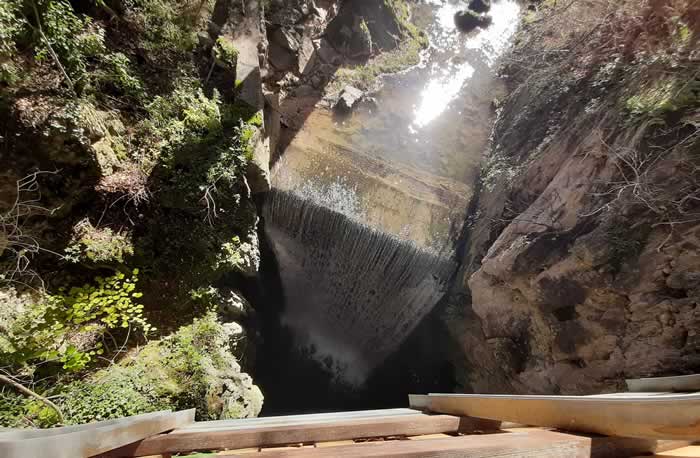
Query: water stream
(365, 210)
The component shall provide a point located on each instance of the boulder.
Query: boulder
(349, 96)
(467, 20)
(480, 6)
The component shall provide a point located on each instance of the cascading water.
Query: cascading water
(353, 292)
(363, 218)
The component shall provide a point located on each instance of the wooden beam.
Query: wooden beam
(675, 417)
(286, 420)
(531, 443)
(186, 441)
(90, 439)
(687, 383)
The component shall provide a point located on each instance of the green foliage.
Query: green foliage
(664, 97)
(78, 42)
(177, 371)
(44, 331)
(225, 52)
(185, 115)
(99, 245)
(167, 28)
(11, 26)
(13, 410)
(115, 395)
(116, 73)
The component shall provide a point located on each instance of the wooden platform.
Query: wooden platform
(391, 433)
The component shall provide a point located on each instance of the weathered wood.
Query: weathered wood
(688, 451)
(288, 434)
(91, 439)
(675, 417)
(521, 444)
(682, 383)
(286, 420)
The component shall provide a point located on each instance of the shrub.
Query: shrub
(225, 53)
(100, 245)
(168, 29)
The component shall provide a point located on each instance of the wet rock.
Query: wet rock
(467, 20)
(349, 96)
(480, 6)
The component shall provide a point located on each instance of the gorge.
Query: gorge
(265, 207)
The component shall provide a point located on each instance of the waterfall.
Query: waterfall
(352, 293)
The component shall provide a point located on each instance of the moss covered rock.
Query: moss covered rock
(193, 368)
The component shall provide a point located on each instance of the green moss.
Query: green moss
(365, 76)
(110, 394)
(179, 372)
(664, 97)
(225, 52)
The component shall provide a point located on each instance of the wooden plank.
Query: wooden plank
(530, 444)
(418, 401)
(92, 439)
(689, 451)
(278, 435)
(679, 383)
(675, 417)
(243, 423)
(527, 443)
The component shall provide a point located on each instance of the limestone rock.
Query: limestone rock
(349, 96)
(233, 306)
(105, 156)
(258, 171)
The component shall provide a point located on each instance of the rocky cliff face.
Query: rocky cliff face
(582, 264)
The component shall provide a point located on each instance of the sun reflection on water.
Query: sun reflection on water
(446, 78)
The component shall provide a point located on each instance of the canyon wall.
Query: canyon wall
(582, 259)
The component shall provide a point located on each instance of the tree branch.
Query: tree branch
(23, 389)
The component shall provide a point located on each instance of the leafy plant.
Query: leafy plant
(45, 330)
(11, 25)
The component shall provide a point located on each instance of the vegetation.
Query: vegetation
(66, 328)
(405, 55)
(109, 96)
